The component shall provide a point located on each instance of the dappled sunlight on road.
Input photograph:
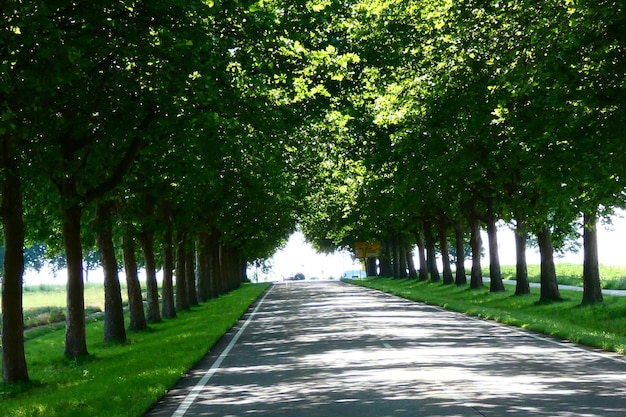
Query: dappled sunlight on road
(337, 350)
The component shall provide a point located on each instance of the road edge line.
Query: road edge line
(195, 391)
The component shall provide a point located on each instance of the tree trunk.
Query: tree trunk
(448, 278)
(460, 277)
(396, 257)
(592, 288)
(169, 307)
(190, 273)
(203, 267)
(410, 263)
(476, 277)
(225, 269)
(114, 330)
(243, 267)
(182, 295)
(146, 240)
(402, 258)
(386, 269)
(75, 332)
(370, 267)
(430, 252)
(133, 287)
(495, 274)
(549, 283)
(423, 272)
(216, 269)
(235, 261)
(14, 368)
(522, 286)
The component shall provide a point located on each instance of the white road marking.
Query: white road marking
(193, 394)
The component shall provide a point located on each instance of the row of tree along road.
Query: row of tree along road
(193, 136)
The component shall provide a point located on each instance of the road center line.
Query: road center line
(191, 397)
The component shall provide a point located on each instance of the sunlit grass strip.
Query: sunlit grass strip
(602, 325)
(121, 380)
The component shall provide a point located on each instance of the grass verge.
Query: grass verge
(600, 325)
(121, 380)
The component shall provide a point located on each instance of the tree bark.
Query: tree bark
(431, 255)
(459, 235)
(522, 286)
(167, 287)
(182, 295)
(216, 269)
(495, 273)
(203, 267)
(146, 240)
(476, 277)
(549, 283)
(190, 273)
(448, 278)
(396, 257)
(133, 287)
(230, 268)
(370, 267)
(14, 368)
(423, 271)
(114, 330)
(402, 258)
(225, 269)
(75, 332)
(592, 288)
(386, 269)
(410, 263)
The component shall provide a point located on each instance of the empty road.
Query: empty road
(331, 349)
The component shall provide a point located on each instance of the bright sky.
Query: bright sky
(299, 256)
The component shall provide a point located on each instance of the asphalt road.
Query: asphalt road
(332, 349)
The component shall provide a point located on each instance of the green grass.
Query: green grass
(46, 304)
(121, 380)
(612, 277)
(602, 325)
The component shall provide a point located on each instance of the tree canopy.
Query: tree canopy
(219, 127)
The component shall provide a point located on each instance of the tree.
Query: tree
(14, 368)
(114, 330)
(135, 299)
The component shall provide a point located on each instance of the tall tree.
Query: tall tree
(114, 330)
(14, 368)
(137, 316)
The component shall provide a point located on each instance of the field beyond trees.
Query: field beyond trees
(611, 277)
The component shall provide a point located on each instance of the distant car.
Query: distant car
(354, 274)
(313, 279)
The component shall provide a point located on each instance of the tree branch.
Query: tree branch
(124, 165)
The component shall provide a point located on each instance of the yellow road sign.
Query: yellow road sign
(367, 249)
